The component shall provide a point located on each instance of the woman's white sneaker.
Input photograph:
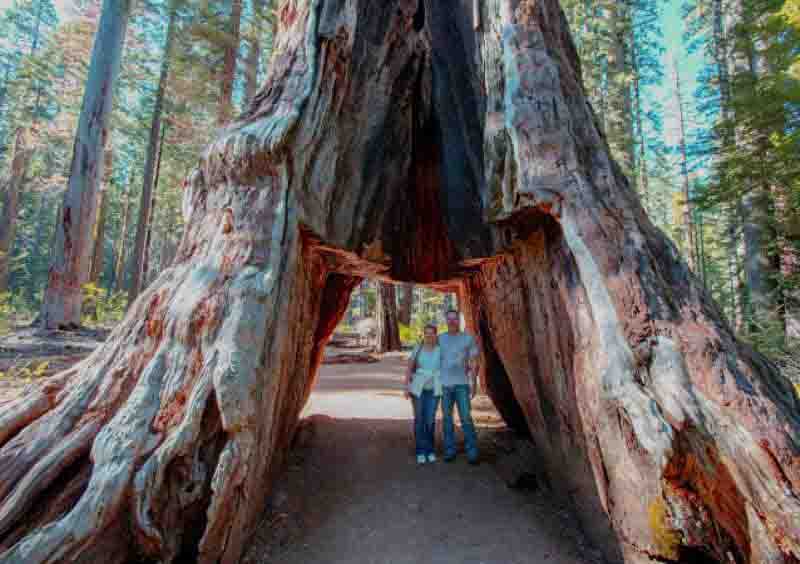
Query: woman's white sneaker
(420, 459)
(431, 458)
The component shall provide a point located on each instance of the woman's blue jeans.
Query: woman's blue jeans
(459, 396)
(425, 421)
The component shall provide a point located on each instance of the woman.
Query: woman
(425, 390)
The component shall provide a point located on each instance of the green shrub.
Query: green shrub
(28, 371)
(410, 334)
(100, 307)
(15, 310)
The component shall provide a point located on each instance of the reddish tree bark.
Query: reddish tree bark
(671, 438)
(406, 304)
(388, 334)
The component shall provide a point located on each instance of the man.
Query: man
(459, 379)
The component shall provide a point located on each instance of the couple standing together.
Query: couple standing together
(443, 367)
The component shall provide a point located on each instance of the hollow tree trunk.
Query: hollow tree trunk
(388, 335)
(69, 268)
(670, 437)
(656, 382)
(8, 221)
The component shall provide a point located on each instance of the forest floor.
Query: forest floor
(28, 354)
(352, 492)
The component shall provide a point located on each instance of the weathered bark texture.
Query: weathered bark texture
(628, 375)
(393, 140)
(69, 268)
(388, 337)
(8, 219)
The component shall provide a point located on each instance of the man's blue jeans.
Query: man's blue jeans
(425, 421)
(458, 395)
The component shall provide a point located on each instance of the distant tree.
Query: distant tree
(232, 40)
(69, 269)
(406, 304)
(10, 210)
(388, 331)
(155, 140)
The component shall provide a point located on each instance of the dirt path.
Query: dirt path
(353, 493)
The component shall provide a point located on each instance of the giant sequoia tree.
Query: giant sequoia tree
(394, 139)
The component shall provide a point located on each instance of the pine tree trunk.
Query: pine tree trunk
(760, 267)
(168, 249)
(70, 267)
(642, 173)
(406, 304)
(253, 63)
(690, 247)
(674, 441)
(762, 262)
(752, 210)
(225, 108)
(98, 256)
(10, 211)
(388, 333)
(148, 249)
(155, 141)
(791, 270)
(119, 252)
(619, 111)
(721, 62)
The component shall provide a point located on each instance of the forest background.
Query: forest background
(699, 99)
